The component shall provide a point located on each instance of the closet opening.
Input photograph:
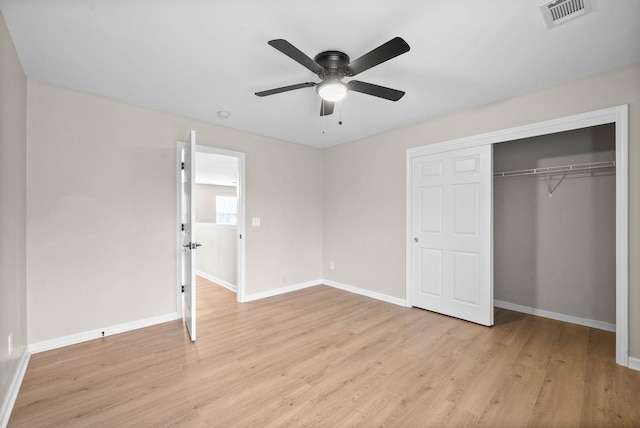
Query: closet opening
(554, 226)
(596, 163)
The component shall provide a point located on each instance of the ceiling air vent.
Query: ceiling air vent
(558, 12)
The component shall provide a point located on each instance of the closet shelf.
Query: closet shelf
(564, 169)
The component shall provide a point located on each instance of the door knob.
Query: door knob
(416, 239)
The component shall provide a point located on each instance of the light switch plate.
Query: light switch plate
(255, 221)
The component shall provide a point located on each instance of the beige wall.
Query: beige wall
(365, 185)
(217, 258)
(101, 210)
(557, 253)
(13, 149)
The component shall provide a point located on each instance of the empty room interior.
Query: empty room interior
(348, 214)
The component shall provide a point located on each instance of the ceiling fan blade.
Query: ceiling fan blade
(391, 49)
(326, 108)
(375, 90)
(297, 55)
(285, 89)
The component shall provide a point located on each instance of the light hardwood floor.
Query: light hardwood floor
(325, 357)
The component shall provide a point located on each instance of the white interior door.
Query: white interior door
(451, 217)
(189, 244)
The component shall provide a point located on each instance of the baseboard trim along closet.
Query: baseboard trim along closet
(47, 345)
(222, 282)
(634, 363)
(14, 388)
(367, 293)
(601, 325)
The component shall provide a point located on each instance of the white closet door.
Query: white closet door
(451, 215)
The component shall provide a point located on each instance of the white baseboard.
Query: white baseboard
(59, 342)
(364, 292)
(14, 388)
(225, 284)
(334, 284)
(634, 363)
(556, 316)
(281, 290)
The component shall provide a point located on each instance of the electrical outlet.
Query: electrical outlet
(331, 265)
(10, 344)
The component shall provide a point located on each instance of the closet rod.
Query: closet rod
(564, 169)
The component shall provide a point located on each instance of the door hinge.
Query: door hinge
(182, 166)
(183, 288)
(182, 227)
(241, 236)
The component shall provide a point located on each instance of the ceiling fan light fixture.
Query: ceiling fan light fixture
(332, 91)
(332, 66)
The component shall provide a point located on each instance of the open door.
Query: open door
(189, 244)
(451, 233)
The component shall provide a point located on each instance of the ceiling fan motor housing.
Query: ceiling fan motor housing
(334, 64)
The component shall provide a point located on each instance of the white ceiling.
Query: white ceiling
(216, 169)
(196, 57)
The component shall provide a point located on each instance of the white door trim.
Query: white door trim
(618, 115)
(241, 251)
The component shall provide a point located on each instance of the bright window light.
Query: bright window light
(226, 210)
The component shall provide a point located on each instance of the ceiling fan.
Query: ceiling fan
(332, 66)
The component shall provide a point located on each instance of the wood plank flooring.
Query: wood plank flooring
(325, 357)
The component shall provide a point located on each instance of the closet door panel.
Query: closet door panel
(451, 211)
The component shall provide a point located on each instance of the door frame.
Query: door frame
(619, 115)
(241, 250)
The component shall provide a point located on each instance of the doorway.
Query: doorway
(216, 218)
(614, 115)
